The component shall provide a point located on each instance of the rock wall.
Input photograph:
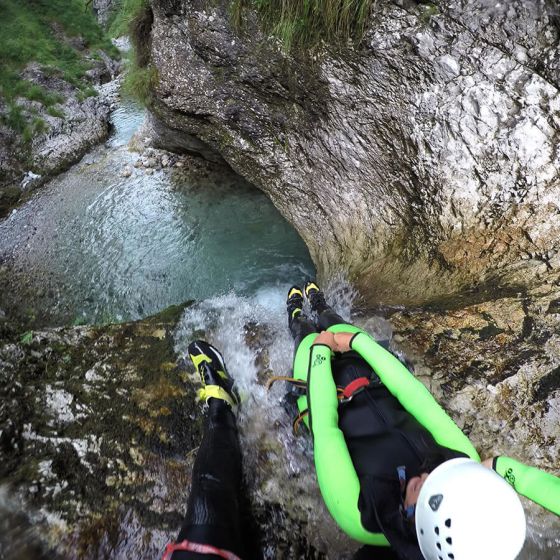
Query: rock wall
(103, 9)
(100, 429)
(421, 164)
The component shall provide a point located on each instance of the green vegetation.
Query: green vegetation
(126, 12)
(54, 112)
(53, 33)
(27, 337)
(306, 23)
(428, 11)
(135, 18)
(140, 82)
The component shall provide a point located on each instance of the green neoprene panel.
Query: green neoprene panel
(413, 395)
(301, 359)
(541, 487)
(337, 477)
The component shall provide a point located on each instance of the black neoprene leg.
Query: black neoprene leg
(213, 510)
(300, 327)
(375, 553)
(328, 317)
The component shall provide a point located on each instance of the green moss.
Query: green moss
(428, 11)
(54, 112)
(307, 23)
(171, 314)
(87, 92)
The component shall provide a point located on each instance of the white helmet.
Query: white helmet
(466, 511)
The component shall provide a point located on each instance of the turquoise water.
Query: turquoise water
(94, 246)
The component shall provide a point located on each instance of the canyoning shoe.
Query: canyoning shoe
(294, 302)
(315, 296)
(210, 365)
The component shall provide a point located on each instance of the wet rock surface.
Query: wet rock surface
(93, 419)
(425, 158)
(100, 428)
(70, 129)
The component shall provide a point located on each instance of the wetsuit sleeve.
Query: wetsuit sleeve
(413, 395)
(539, 486)
(337, 477)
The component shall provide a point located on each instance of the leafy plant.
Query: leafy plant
(27, 337)
(139, 83)
(54, 112)
(135, 18)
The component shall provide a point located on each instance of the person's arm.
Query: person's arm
(337, 477)
(539, 486)
(412, 395)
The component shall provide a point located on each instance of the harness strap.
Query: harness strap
(297, 420)
(299, 387)
(199, 548)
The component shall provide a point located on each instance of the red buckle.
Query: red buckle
(355, 386)
(198, 548)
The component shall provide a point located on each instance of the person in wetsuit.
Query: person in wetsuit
(212, 525)
(392, 466)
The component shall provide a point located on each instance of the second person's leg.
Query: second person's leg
(213, 518)
(300, 325)
(326, 316)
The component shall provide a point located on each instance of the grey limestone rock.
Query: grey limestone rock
(421, 163)
(103, 10)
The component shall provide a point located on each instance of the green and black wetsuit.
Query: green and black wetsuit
(360, 444)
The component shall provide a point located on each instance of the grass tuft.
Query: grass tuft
(46, 32)
(135, 18)
(306, 23)
(139, 83)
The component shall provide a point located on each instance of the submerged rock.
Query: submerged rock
(420, 163)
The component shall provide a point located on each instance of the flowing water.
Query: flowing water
(94, 246)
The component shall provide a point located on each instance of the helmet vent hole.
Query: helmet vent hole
(436, 529)
(439, 546)
(440, 558)
(448, 523)
(451, 555)
(421, 531)
(449, 540)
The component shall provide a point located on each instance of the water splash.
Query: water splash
(252, 334)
